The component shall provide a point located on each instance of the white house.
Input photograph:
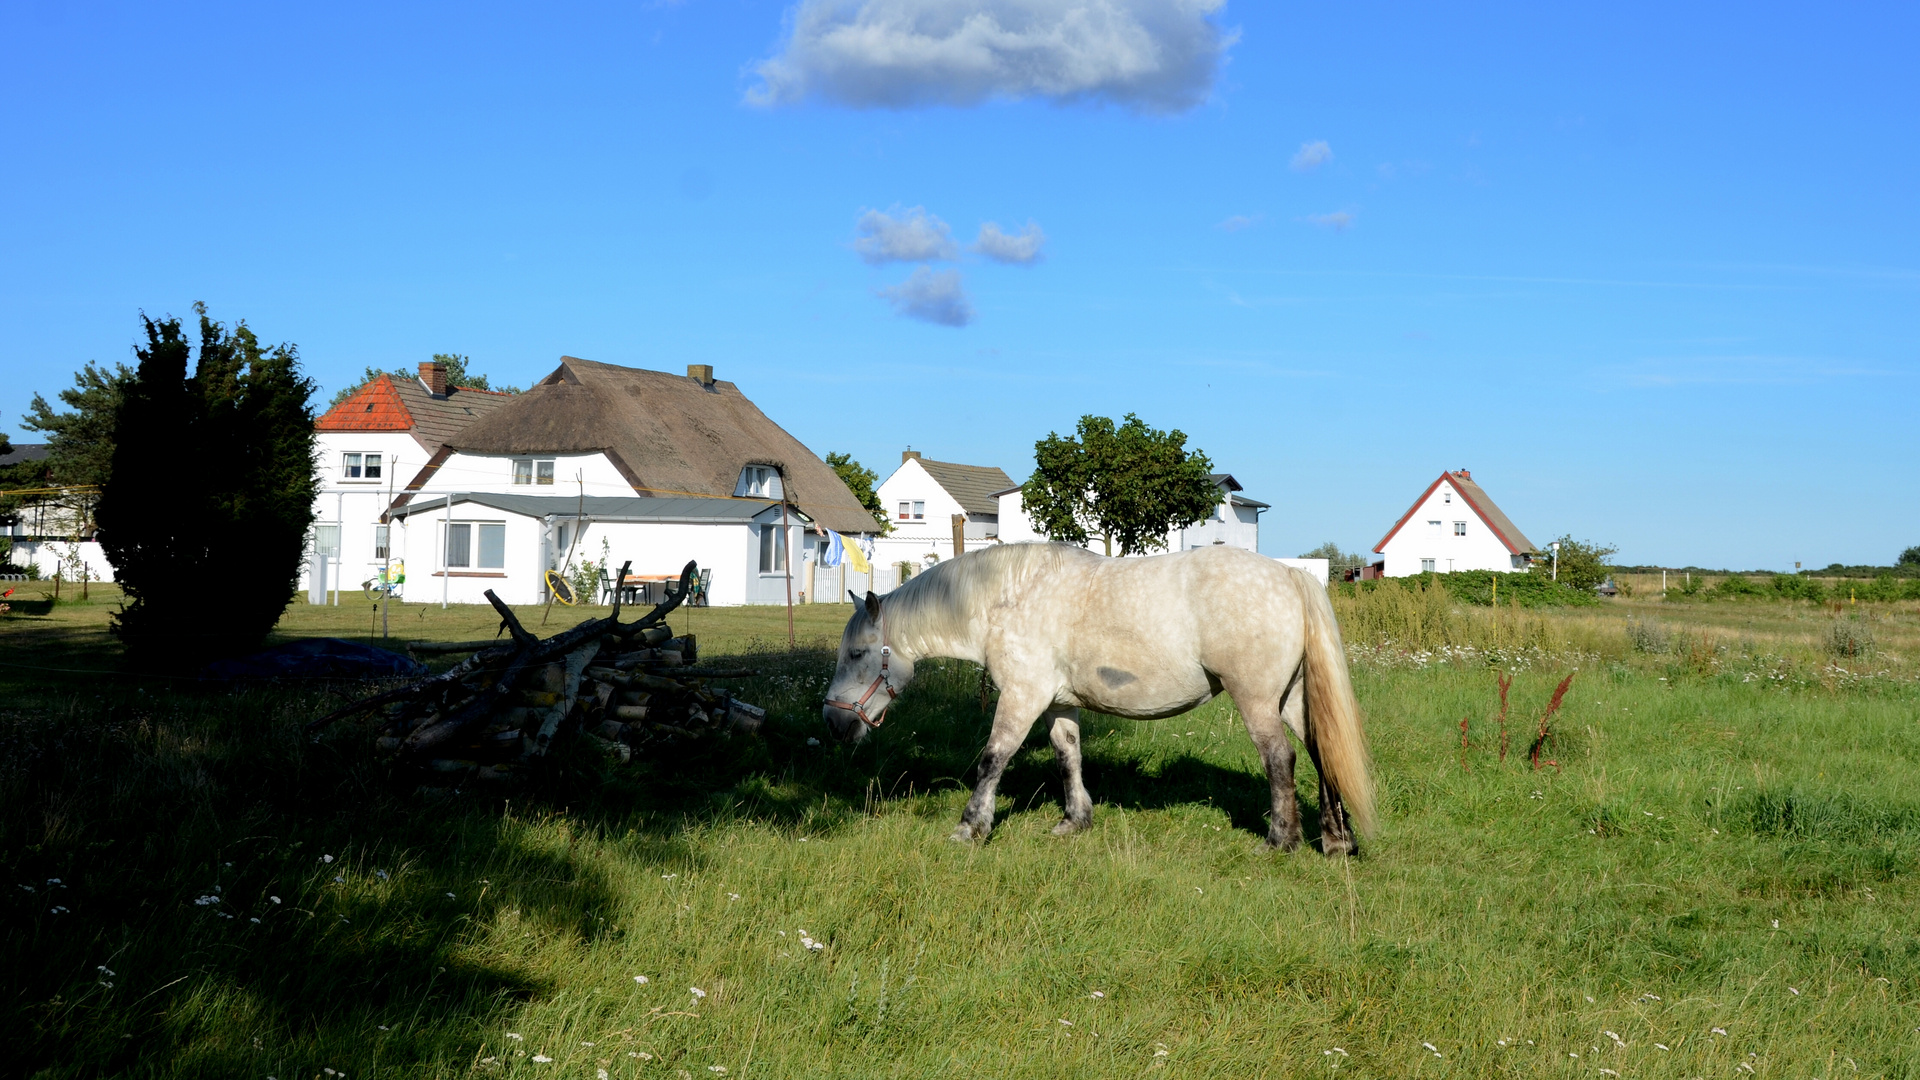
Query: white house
(646, 467)
(1235, 521)
(1452, 526)
(53, 533)
(930, 504)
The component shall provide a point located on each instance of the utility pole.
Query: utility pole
(1556, 559)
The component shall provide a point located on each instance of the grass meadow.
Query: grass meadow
(1715, 878)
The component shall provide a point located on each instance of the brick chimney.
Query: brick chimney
(1464, 474)
(434, 374)
(701, 373)
(908, 455)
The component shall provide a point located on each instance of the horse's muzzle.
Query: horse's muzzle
(844, 723)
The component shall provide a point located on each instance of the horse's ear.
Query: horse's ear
(873, 606)
(854, 596)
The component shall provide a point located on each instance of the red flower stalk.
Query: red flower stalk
(1553, 706)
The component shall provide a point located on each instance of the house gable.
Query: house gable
(1461, 483)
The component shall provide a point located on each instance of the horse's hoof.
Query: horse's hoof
(1336, 848)
(964, 834)
(1068, 827)
(1284, 845)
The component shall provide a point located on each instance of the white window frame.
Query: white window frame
(1426, 566)
(382, 542)
(906, 509)
(773, 551)
(1459, 528)
(532, 472)
(475, 534)
(758, 482)
(362, 467)
(326, 541)
(919, 510)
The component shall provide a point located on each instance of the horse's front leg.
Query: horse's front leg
(1011, 722)
(1066, 749)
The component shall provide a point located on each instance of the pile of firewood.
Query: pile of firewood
(623, 686)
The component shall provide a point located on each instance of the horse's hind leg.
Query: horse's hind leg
(1336, 833)
(1011, 722)
(1066, 749)
(1267, 726)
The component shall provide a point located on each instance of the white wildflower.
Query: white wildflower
(1430, 1046)
(640, 979)
(733, 896)
(1662, 1046)
(599, 1074)
(381, 874)
(515, 1037)
(811, 741)
(254, 921)
(275, 899)
(717, 1070)
(450, 896)
(1096, 994)
(697, 992)
(542, 1059)
(1066, 1021)
(1618, 1041)
(326, 858)
(1723, 1031)
(1795, 990)
(1608, 1072)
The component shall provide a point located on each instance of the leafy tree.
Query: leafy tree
(860, 480)
(206, 510)
(457, 375)
(1338, 562)
(1910, 557)
(1583, 563)
(80, 441)
(1128, 484)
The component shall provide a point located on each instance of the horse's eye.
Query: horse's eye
(855, 654)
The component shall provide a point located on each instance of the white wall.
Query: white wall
(51, 557)
(1234, 526)
(465, 472)
(1430, 535)
(1317, 568)
(913, 540)
(356, 505)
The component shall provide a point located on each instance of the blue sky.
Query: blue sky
(1650, 272)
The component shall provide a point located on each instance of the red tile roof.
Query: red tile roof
(374, 407)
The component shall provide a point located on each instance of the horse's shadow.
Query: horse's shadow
(1187, 781)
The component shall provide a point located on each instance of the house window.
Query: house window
(1426, 566)
(1446, 496)
(906, 510)
(1459, 528)
(360, 466)
(919, 511)
(492, 545)
(1433, 523)
(773, 550)
(380, 542)
(326, 541)
(758, 482)
(533, 471)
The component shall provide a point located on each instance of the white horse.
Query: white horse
(1060, 628)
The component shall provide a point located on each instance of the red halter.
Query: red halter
(859, 708)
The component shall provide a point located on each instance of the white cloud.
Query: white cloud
(1338, 221)
(1150, 55)
(1241, 222)
(1021, 248)
(931, 296)
(1312, 155)
(898, 235)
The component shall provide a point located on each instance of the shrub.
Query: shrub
(242, 423)
(1798, 587)
(1646, 637)
(1849, 639)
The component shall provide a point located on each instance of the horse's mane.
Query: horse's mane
(953, 592)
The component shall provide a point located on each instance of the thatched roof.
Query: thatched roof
(669, 435)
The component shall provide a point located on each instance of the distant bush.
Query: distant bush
(1849, 639)
(1647, 637)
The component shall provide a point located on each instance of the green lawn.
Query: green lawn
(1709, 854)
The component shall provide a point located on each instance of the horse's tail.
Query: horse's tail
(1333, 714)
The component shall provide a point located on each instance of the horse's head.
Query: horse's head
(869, 676)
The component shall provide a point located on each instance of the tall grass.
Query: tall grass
(1703, 850)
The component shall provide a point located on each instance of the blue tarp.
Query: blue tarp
(319, 658)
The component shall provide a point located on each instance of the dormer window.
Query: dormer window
(758, 482)
(533, 471)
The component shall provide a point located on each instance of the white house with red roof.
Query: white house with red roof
(1453, 526)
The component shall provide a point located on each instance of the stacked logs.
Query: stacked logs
(622, 686)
